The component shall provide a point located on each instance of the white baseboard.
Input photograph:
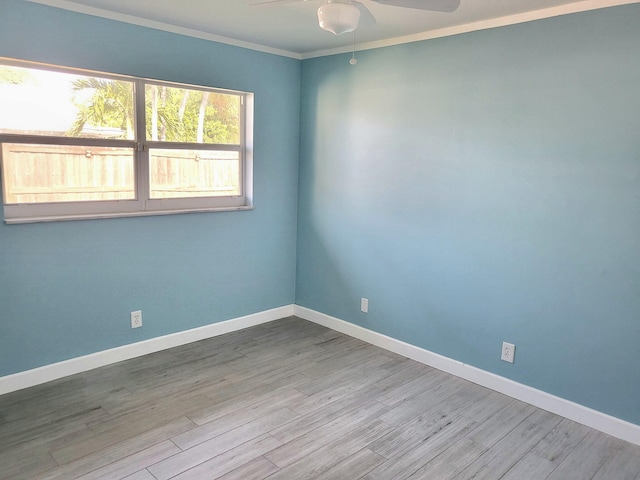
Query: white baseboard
(54, 371)
(586, 416)
(592, 418)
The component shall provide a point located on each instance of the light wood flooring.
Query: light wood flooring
(291, 400)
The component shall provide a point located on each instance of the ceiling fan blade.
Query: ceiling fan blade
(433, 5)
(366, 17)
(268, 3)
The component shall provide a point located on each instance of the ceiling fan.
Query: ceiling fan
(338, 16)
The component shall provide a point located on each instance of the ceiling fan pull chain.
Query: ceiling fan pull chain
(353, 60)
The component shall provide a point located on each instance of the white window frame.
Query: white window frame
(142, 205)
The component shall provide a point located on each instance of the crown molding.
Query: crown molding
(576, 7)
(143, 22)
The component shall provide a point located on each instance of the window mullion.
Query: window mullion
(142, 152)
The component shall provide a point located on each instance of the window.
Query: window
(78, 144)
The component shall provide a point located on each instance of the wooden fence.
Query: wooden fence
(64, 173)
(194, 173)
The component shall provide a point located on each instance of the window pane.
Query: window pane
(193, 173)
(190, 115)
(42, 102)
(65, 173)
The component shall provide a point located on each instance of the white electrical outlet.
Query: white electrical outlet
(364, 305)
(136, 319)
(508, 352)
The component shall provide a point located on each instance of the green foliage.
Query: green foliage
(111, 105)
(178, 115)
(172, 114)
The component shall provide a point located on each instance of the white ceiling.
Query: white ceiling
(292, 29)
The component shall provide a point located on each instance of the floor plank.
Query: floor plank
(231, 459)
(587, 458)
(133, 463)
(213, 447)
(354, 466)
(101, 457)
(499, 459)
(256, 469)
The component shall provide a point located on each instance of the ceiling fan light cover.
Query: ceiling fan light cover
(338, 18)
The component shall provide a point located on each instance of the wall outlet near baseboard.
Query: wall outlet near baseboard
(508, 352)
(364, 305)
(136, 319)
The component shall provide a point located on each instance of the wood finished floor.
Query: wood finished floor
(291, 400)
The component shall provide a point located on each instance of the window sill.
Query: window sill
(65, 218)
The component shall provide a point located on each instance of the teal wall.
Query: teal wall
(480, 188)
(66, 289)
(476, 188)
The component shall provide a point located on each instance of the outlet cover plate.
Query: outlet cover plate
(508, 352)
(136, 319)
(364, 305)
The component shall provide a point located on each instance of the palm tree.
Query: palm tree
(111, 105)
(161, 108)
(173, 114)
(201, 114)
